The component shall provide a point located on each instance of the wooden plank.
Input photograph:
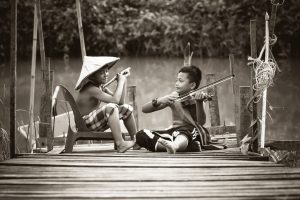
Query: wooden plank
(161, 192)
(290, 145)
(245, 118)
(140, 174)
(13, 76)
(213, 104)
(220, 130)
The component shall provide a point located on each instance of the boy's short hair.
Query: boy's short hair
(194, 74)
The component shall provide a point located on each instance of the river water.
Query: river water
(154, 77)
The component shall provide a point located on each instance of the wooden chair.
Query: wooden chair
(82, 133)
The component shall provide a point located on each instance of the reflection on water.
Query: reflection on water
(155, 77)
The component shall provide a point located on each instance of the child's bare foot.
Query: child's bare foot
(125, 146)
(168, 145)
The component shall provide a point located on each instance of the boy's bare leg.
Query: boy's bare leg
(181, 142)
(114, 125)
(130, 125)
(165, 145)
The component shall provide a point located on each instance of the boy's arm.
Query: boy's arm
(123, 96)
(159, 103)
(200, 114)
(107, 98)
(108, 91)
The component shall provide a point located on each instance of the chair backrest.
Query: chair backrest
(77, 116)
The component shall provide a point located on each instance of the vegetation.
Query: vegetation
(151, 27)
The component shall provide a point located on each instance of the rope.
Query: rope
(264, 73)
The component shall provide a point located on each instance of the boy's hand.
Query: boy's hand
(126, 72)
(201, 96)
(168, 99)
(121, 78)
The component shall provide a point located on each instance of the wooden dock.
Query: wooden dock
(97, 172)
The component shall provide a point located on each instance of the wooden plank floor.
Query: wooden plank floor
(97, 172)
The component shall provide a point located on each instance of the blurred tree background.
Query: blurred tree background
(215, 28)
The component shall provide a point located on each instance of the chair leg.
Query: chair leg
(71, 138)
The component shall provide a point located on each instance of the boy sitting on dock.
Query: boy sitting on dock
(187, 132)
(93, 76)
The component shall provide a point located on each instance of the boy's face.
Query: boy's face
(102, 75)
(183, 84)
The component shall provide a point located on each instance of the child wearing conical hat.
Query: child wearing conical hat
(93, 76)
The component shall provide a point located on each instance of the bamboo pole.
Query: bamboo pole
(32, 83)
(13, 76)
(234, 92)
(41, 36)
(80, 28)
(253, 46)
(264, 100)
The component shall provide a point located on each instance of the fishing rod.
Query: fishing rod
(183, 97)
(125, 72)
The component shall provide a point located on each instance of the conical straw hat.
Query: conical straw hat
(92, 64)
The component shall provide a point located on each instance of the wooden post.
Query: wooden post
(254, 129)
(13, 76)
(245, 117)
(45, 108)
(80, 28)
(273, 19)
(45, 127)
(264, 97)
(233, 82)
(32, 82)
(132, 102)
(213, 104)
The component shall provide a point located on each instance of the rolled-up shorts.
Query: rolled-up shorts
(148, 138)
(97, 120)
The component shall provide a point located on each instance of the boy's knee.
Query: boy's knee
(126, 110)
(110, 108)
(146, 139)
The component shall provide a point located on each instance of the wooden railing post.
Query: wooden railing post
(234, 91)
(213, 104)
(13, 77)
(45, 128)
(245, 117)
(254, 129)
(32, 80)
(132, 101)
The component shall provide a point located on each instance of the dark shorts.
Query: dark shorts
(148, 138)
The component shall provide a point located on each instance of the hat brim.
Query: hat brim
(92, 65)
